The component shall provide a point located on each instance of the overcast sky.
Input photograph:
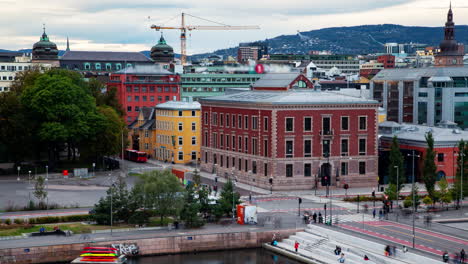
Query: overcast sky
(122, 25)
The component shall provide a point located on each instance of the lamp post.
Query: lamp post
(251, 182)
(111, 205)
(414, 198)
(18, 168)
(397, 187)
(462, 154)
(47, 172)
(233, 190)
(29, 178)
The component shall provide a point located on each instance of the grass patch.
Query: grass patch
(134, 174)
(76, 228)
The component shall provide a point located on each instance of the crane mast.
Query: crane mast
(184, 28)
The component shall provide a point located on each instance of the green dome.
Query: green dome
(162, 52)
(44, 49)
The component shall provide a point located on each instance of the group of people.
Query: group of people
(308, 219)
(390, 251)
(458, 258)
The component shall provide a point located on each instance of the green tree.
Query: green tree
(227, 198)
(408, 202)
(391, 191)
(190, 212)
(105, 96)
(396, 168)
(445, 196)
(457, 186)
(430, 169)
(39, 191)
(162, 191)
(121, 208)
(427, 200)
(206, 204)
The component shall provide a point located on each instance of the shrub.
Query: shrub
(427, 200)
(18, 221)
(8, 221)
(408, 202)
(32, 221)
(138, 218)
(363, 199)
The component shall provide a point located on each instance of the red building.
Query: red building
(296, 138)
(387, 60)
(412, 137)
(144, 85)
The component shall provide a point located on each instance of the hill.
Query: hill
(353, 40)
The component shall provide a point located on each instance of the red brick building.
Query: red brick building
(387, 60)
(412, 137)
(144, 85)
(293, 137)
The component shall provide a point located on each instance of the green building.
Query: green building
(198, 85)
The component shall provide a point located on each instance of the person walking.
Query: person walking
(445, 257)
(320, 218)
(380, 214)
(462, 256)
(342, 258)
(314, 217)
(296, 246)
(374, 212)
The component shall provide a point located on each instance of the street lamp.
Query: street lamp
(94, 169)
(29, 178)
(414, 197)
(19, 168)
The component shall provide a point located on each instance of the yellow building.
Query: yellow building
(178, 132)
(142, 131)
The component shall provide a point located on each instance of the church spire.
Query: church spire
(68, 45)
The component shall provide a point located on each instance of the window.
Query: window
(289, 124)
(129, 108)
(167, 98)
(146, 133)
(265, 123)
(254, 167)
(362, 146)
(215, 160)
(129, 98)
(97, 66)
(344, 168)
(193, 113)
(151, 98)
(181, 126)
(246, 145)
(166, 89)
(159, 89)
(194, 126)
(181, 141)
(440, 157)
(159, 98)
(240, 144)
(180, 113)
(227, 120)
(233, 121)
(206, 118)
(308, 148)
(222, 160)
(215, 119)
(152, 89)
(307, 124)
(344, 147)
(233, 142)
(345, 123)
(136, 89)
(221, 119)
(194, 155)
(146, 146)
(265, 147)
(254, 146)
(181, 155)
(227, 141)
(221, 140)
(326, 126)
(254, 122)
(144, 98)
(246, 166)
(326, 148)
(137, 108)
(143, 89)
(227, 162)
(239, 120)
(174, 89)
(239, 164)
(265, 169)
(362, 167)
(307, 170)
(289, 149)
(206, 140)
(362, 122)
(129, 89)
(137, 98)
(289, 170)
(215, 140)
(246, 122)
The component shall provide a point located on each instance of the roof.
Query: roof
(276, 80)
(105, 56)
(147, 112)
(179, 105)
(146, 69)
(288, 97)
(414, 74)
(416, 134)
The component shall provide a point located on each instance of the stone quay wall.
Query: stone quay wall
(147, 246)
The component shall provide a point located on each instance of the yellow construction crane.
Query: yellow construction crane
(184, 28)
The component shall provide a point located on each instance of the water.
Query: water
(242, 256)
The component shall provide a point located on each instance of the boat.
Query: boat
(96, 255)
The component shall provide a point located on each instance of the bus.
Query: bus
(134, 155)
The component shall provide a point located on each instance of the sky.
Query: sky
(122, 25)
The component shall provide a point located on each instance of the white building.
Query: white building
(11, 65)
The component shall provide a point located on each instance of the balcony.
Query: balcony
(326, 132)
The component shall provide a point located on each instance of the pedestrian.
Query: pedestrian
(305, 217)
(462, 256)
(445, 257)
(366, 257)
(337, 250)
(380, 214)
(373, 212)
(342, 258)
(320, 219)
(387, 251)
(405, 249)
(314, 217)
(296, 246)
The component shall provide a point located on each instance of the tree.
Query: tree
(427, 200)
(456, 188)
(391, 191)
(430, 169)
(190, 212)
(396, 159)
(121, 209)
(162, 192)
(206, 206)
(408, 202)
(227, 198)
(445, 196)
(39, 191)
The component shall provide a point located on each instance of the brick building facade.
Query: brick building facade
(293, 137)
